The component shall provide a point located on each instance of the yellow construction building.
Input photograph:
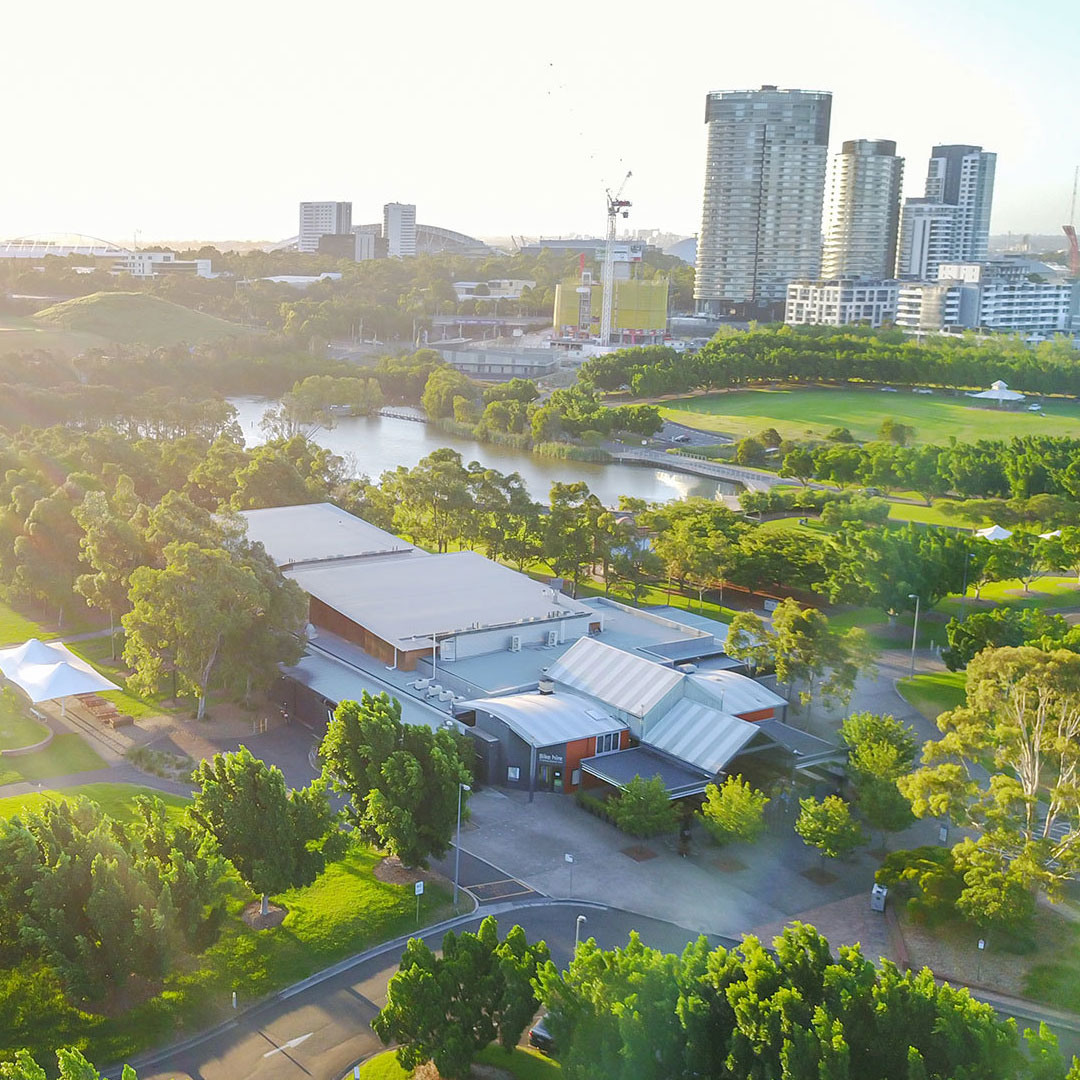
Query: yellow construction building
(639, 310)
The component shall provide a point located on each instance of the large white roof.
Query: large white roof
(50, 672)
(405, 600)
(547, 719)
(314, 532)
(624, 681)
(705, 737)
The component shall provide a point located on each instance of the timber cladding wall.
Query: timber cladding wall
(323, 615)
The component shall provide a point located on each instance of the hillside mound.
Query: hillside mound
(127, 318)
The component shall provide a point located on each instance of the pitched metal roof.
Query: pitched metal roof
(619, 768)
(806, 748)
(619, 679)
(546, 719)
(705, 737)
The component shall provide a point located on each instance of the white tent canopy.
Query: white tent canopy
(50, 672)
(999, 391)
(993, 532)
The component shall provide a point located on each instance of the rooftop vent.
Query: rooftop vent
(546, 685)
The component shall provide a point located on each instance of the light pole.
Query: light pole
(457, 841)
(577, 931)
(963, 595)
(914, 630)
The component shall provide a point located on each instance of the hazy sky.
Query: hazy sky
(213, 119)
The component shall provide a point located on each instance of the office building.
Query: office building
(1011, 295)
(764, 185)
(148, 264)
(399, 229)
(951, 223)
(322, 219)
(841, 302)
(864, 210)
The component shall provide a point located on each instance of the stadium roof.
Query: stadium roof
(60, 244)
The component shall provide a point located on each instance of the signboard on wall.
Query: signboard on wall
(547, 757)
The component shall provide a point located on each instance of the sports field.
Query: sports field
(799, 412)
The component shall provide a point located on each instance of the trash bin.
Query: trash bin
(878, 895)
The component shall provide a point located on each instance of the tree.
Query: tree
(750, 641)
(795, 1011)
(277, 839)
(798, 463)
(828, 826)
(734, 811)
(442, 386)
(445, 1009)
(71, 1065)
(895, 432)
(810, 654)
(403, 780)
(182, 615)
(1022, 711)
(644, 808)
(997, 628)
(1063, 551)
(567, 541)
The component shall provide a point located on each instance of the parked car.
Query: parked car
(681, 438)
(540, 1038)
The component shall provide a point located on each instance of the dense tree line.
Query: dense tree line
(735, 358)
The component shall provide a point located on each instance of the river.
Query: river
(379, 443)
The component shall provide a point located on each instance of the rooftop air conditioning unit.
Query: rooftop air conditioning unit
(687, 669)
(553, 637)
(515, 643)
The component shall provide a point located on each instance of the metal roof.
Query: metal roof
(807, 748)
(546, 719)
(317, 532)
(692, 619)
(619, 679)
(619, 768)
(705, 737)
(736, 694)
(407, 600)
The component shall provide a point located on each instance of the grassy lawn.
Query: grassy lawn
(17, 729)
(15, 628)
(65, 755)
(345, 911)
(521, 1062)
(1046, 592)
(117, 800)
(934, 693)
(799, 412)
(98, 653)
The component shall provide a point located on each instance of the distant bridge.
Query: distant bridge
(751, 479)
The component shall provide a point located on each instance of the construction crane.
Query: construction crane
(1070, 231)
(616, 205)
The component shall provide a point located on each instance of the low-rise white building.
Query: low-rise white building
(841, 302)
(1002, 295)
(147, 264)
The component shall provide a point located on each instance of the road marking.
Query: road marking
(290, 1045)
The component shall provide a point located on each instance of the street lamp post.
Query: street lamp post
(963, 595)
(914, 629)
(457, 841)
(577, 931)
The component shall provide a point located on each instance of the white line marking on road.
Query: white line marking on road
(291, 1044)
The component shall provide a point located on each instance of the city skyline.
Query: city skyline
(240, 125)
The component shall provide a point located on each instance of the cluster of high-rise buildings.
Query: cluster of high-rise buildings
(920, 263)
(327, 227)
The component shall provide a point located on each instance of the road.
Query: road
(322, 1031)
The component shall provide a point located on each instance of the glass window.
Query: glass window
(513, 774)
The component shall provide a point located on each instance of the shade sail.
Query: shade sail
(993, 532)
(50, 672)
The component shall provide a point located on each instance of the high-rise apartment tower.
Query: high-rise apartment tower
(322, 219)
(399, 229)
(864, 210)
(764, 183)
(952, 223)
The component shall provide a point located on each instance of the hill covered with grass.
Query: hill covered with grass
(132, 318)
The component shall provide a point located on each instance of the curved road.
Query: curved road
(321, 1031)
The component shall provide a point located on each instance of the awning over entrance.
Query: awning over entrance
(618, 769)
(807, 750)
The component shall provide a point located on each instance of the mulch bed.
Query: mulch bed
(391, 871)
(818, 876)
(638, 852)
(254, 917)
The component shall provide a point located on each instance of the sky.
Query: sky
(214, 119)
